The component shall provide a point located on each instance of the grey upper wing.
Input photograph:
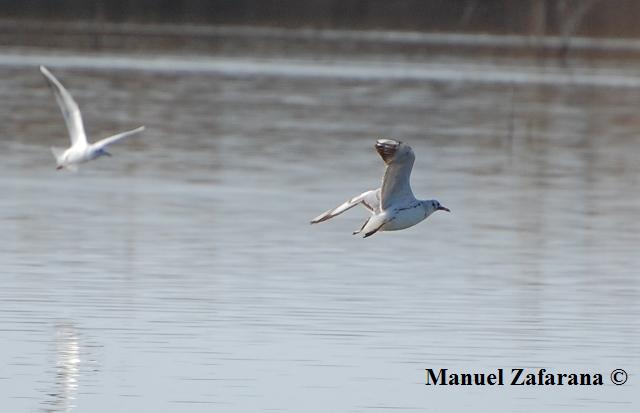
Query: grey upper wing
(370, 200)
(69, 108)
(399, 159)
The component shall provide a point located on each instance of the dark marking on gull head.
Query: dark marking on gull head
(387, 148)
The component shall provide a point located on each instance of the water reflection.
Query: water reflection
(62, 397)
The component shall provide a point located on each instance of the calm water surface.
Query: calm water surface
(182, 274)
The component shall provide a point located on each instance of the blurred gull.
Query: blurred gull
(393, 206)
(80, 150)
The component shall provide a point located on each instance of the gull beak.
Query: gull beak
(441, 208)
(59, 167)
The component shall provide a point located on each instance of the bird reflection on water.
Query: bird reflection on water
(67, 367)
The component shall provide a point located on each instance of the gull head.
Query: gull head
(432, 206)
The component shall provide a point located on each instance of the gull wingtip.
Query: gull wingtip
(388, 141)
(139, 129)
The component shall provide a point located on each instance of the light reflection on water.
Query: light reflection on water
(182, 274)
(67, 367)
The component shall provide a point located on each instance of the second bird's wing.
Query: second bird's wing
(69, 108)
(111, 139)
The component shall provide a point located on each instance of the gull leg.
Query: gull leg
(362, 227)
(375, 224)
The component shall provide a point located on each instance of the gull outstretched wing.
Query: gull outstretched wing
(369, 199)
(115, 138)
(69, 108)
(399, 159)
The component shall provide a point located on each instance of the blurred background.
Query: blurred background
(614, 18)
(199, 24)
(182, 273)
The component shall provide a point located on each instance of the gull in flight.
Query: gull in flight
(80, 150)
(392, 206)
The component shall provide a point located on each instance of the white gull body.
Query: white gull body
(80, 150)
(392, 206)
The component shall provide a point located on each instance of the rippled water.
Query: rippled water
(182, 274)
